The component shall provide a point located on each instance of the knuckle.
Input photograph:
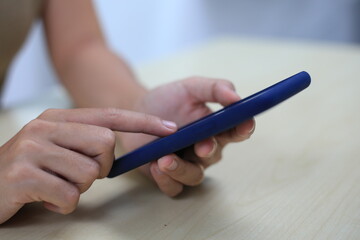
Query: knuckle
(19, 172)
(92, 172)
(108, 137)
(83, 187)
(27, 146)
(48, 113)
(198, 179)
(71, 196)
(104, 173)
(149, 119)
(37, 126)
(112, 113)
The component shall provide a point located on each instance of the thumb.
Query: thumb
(211, 90)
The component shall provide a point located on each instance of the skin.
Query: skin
(183, 102)
(51, 158)
(81, 58)
(58, 155)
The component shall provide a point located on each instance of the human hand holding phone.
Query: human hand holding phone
(183, 102)
(232, 123)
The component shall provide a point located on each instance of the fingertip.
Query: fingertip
(206, 148)
(168, 163)
(172, 126)
(229, 94)
(166, 184)
(246, 129)
(249, 126)
(253, 126)
(174, 193)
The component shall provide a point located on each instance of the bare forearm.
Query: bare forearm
(92, 74)
(96, 77)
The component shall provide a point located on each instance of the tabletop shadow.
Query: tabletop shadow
(35, 214)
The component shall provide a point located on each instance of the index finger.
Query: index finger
(112, 118)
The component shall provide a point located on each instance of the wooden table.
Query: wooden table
(298, 177)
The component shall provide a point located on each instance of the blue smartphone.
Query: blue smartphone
(213, 124)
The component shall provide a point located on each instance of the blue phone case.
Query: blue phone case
(212, 124)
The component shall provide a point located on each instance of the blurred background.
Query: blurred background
(143, 31)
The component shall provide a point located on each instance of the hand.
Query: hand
(183, 102)
(57, 156)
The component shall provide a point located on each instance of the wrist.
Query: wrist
(96, 77)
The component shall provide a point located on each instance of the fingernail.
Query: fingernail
(173, 165)
(170, 125)
(247, 134)
(169, 163)
(251, 131)
(213, 148)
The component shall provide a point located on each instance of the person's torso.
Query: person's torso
(16, 18)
